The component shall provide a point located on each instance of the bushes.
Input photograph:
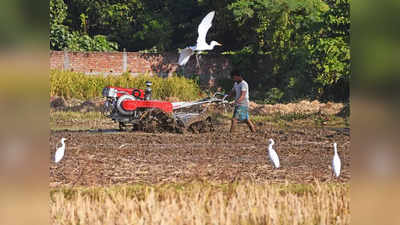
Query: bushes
(78, 85)
(61, 37)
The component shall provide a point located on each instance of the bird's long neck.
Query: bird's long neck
(207, 46)
(62, 143)
(335, 149)
(212, 45)
(270, 146)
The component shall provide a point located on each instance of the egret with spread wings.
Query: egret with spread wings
(201, 45)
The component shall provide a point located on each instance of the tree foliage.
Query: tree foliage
(61, 37)
(306, 40)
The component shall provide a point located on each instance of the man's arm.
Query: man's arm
(242, 96)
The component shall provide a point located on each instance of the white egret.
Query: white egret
(201, 45)
(336, 164)
(272, 154)
(60, 151)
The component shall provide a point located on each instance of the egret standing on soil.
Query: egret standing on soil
(336, 164)
(60, 151)
(201, 45)
(272, 154)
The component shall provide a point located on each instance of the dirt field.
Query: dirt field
(105, 157)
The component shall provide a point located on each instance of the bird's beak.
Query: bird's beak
(219, 44)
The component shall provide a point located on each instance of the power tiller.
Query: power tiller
(135, 109)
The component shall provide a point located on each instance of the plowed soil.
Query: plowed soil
(105, 157)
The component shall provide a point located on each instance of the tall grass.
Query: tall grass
(203, 203)
(78, 85)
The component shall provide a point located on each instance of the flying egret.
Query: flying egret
(201, 45)
(60, 151)
(272, 154)
(336, 164)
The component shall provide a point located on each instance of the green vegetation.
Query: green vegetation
(302, 48)
(287, 50)
(62, 37)
(78, 85)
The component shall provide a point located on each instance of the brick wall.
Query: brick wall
(163, 64)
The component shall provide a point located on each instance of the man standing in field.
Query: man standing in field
(241, 91)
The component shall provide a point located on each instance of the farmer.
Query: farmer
(241, 91)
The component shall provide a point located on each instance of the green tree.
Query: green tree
(330, 53)
(59, 34)
(62, 38)
(307, 42)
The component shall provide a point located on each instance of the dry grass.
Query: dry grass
(303, 107)
(203, 203)
(60, 120)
